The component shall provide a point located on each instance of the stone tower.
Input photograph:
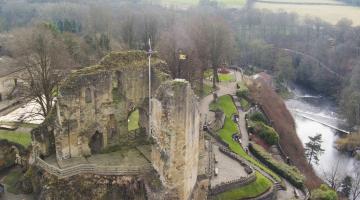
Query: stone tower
(175, 129)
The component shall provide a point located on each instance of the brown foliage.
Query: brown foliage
(284, 124)
(349, 143)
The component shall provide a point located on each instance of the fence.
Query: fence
(91, 169)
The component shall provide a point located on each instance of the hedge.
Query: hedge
(265, 132)
(258, 116)
(242, 91)
(290, 173)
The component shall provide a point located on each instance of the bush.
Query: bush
(265, 132)
(258, 116)
(242, 91)
(290, 173)
(245, 105)
(323, 193)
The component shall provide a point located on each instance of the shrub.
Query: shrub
(291, 173)
(323, 193)
(258, 116)
(245, 105)
(265, 132)
(242, 91)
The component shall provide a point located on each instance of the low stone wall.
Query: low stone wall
(225, 186)
(91, 169)
(237, 158)
(219, 121)
(268, 195)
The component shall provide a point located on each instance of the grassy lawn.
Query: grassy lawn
(19, 124)
(196, 2)
(255, 188)
(11, 179)
(227, 77)
(226, 104)
(244, 104)
(328, 13)
(134, 120)
(22, 138)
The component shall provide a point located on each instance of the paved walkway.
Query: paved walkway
(229, 169)
(123, 158)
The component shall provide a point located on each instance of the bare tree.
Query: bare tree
(44, 56)
(355, 187)
(213, 41)
(220, 42)
(334, 177)
(128, 32)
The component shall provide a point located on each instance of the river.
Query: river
(322, 109)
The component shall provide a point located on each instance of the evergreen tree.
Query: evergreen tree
(346, 185)
(313, 149)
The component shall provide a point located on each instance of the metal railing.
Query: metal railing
(91, 169)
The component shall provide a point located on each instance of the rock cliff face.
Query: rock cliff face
(92, 113)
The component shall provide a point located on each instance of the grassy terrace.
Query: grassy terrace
(252, 190)
(226, 104)
(15, 136)
(227, 77)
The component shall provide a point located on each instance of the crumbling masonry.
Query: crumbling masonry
(92, 113)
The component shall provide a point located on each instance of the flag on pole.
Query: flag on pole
(182, 56)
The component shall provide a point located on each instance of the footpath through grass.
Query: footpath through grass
(22, 138)
(259, 186)
(226, 104)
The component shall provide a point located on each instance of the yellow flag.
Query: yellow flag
(182, 57)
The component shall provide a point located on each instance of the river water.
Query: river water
(323, 110)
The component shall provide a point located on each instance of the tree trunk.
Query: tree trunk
(215, 77)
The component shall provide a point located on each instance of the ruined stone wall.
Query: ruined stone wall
(94, 103)
(175, 130)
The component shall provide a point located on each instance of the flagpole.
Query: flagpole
(149, 55)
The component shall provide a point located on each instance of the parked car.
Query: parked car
(216, 171)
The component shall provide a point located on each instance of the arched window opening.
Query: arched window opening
(133, 120)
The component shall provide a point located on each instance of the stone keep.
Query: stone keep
(94, 104)
(175, 129)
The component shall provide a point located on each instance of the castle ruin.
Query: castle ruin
(92, 111)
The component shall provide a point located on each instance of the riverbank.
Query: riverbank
(283, 122)
(322, 109)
